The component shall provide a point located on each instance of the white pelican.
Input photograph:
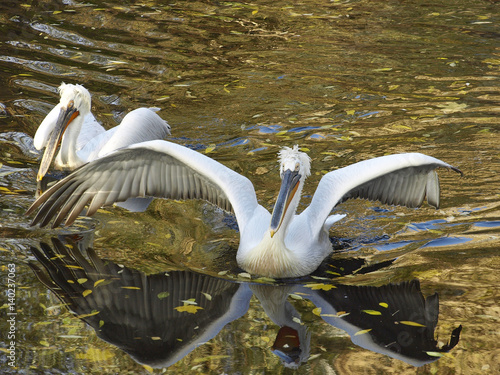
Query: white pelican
(283, 244)
(72, 124)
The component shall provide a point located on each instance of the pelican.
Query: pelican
(72, 125)
(279, 245)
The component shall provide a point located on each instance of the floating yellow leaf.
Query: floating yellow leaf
(317, 311)
(131, 287)
(410, 323)
(362, 332)
(95, 312)
(245, 275)
(192, 309)
(350, 112)
(163, 295)
(383, 304)
(98, 282)
(333, 273)
(82, 280)
(320, 286)
(148, 368)
(210, 148)
(85, 293)
(190, 301)
(207, 296)
(372, 312)
(264, 279)
(101, 323)
(44, 343)
(74, 267)
(3, 249)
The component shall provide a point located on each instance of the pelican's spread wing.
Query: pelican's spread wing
(401, 179)
(157, 168)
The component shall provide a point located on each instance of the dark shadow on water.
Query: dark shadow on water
(158, 319)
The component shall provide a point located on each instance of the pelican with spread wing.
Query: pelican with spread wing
(281, 244)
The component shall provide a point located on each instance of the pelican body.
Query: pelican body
(82, 139)
(278, 244)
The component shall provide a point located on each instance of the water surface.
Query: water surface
(346, 81)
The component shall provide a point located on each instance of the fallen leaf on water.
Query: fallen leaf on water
(362, 332)
(163, 295)
(320, 286)
(410, 323)
(207, 296)
(210, 148)
(95, 312)
(372, 312)
(192, 309)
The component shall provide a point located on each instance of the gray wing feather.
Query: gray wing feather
(117, 177)
(405, 187)
(400, 179)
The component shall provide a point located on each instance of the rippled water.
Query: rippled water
(345, 80)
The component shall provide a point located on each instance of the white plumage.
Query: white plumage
(281, 244)
(82, 139)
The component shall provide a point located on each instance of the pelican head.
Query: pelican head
(295, 166)
(74, 104)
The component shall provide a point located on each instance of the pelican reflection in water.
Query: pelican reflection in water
(144, 314)
(281, 244)
(71, 127)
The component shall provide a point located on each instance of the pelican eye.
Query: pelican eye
(297, 167)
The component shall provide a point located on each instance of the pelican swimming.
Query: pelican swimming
(82, 139)
(281, 244)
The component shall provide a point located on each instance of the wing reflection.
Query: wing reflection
(139, 313)
(158, 319)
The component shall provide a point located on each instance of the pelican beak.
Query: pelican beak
(287, 345)
(66, 115)
(289, 185)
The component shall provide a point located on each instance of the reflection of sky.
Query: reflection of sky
(487, 224)
(393, 245)
(446, 241)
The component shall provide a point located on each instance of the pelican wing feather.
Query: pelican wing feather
(400, 179)
(156, 168)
